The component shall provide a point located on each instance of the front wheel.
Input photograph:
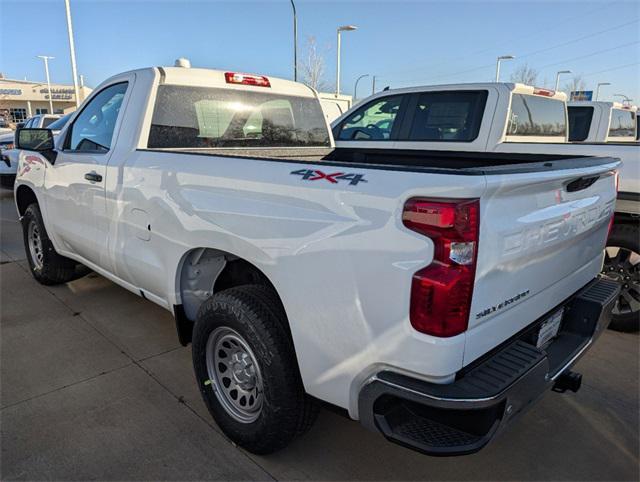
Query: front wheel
(246, 368)
(622, 264)
(47, 266)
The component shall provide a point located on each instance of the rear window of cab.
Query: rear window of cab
(623, 123)
(203, 117)
(536, 116)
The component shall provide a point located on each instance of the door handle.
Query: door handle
(93, 177)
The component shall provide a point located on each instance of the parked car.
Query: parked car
(432, 297)
(9, 155)
(38, 121)
(505, 119)
(4, 127)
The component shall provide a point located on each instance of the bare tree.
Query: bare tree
(313, 67)
(525, 75)
(576, 83)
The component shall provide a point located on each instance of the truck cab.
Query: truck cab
(471, 117)
(597, 121)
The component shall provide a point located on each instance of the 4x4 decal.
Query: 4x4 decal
(334, 178)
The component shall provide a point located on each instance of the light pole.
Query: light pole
(498, 60)
(344, 28)
(46, 59)
(558, 74)
(355, 87)
(373, 85)
(598, 88)
(72, 51)
(295, 42)
(624, 98)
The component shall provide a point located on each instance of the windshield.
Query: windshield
(207, 117)
(59, 123)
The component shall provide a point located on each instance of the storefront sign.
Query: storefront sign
(57, 91)
(59, 97)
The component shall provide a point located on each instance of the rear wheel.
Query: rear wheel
(622, 264)
(247, 371)
(47, 266)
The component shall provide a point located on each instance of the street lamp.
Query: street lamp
(46, 59)
(624, 98)
(355, 87)
(498, 60)
(344, 28)
(295, 42)
(598, 88)
(72, 51)
(558, 74)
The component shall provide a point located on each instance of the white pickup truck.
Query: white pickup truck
(506, 119)
(432, 297)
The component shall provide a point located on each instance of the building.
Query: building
(21, 99)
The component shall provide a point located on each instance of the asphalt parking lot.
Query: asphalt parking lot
(94, 385)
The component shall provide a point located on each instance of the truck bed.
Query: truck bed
(450, 162)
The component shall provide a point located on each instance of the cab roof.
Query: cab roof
(601, 103)
(216, 78)
(502, 86)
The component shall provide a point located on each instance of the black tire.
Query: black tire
(256, 314)
(52, 269)
(625, 269)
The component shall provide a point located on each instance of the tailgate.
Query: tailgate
(542, 236)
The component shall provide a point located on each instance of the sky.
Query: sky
(401, 43)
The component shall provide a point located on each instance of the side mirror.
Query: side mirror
(39, 140)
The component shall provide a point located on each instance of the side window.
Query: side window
(28, 124)
(47, 121)
(448, 116)
(579, 122)
(623, 123)
(92, 130)
(373, 122)
(532, 115)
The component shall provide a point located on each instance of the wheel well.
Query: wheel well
(24, 198)
(626, 218)
(205, 271)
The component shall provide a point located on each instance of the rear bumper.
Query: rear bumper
(462, 417)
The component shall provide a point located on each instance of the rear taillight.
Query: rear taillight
(247, 79)
(441, 293)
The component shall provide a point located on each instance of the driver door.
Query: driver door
(75, 183)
